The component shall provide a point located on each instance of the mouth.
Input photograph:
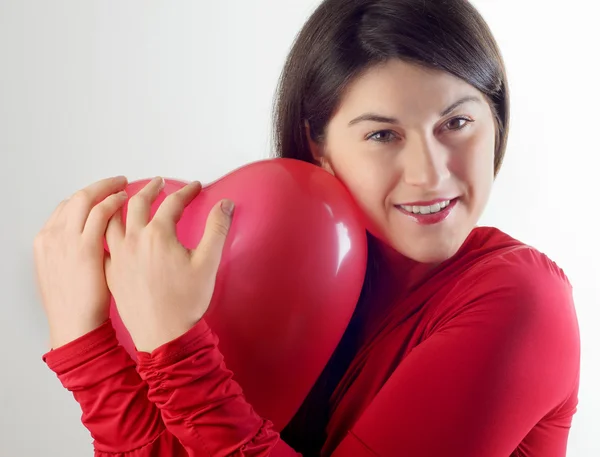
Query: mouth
(429, 215)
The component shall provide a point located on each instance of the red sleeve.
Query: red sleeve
(503, 360)
(112, 396)
(200, 402)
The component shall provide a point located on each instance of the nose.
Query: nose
(424, 163)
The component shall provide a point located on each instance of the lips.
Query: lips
(430, 219)
(429, 203)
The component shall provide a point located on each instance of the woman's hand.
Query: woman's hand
(162, 289)
(69, 259)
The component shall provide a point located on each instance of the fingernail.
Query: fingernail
(162, 181)
(195, 184)
(122, 195)
(227, 206)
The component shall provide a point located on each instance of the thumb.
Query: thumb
(210, 249)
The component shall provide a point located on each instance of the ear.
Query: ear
(317, 150)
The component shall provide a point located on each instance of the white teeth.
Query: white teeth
(426, 209)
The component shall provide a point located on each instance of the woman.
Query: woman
(465, 341)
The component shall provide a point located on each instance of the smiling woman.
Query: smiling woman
(465, 340)
(406, 102)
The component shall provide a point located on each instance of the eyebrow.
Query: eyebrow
(392, 120)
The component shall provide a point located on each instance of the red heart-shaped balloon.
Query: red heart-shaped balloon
(290, 276)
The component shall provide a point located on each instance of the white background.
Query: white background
(184, 89)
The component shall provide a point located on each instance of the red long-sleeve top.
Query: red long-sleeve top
(480, 359)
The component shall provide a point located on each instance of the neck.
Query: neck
(396, 273)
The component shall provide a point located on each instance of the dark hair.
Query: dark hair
(340, 41)
(344, 38)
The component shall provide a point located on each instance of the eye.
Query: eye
(466, 121)
(382, 136)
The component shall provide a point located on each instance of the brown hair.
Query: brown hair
(341, 40)
(344, 38)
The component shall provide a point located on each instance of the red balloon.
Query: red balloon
(290, 276)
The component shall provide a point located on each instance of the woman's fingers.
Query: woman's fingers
(115, 231)
(78, 207)
(210, 249)
(55, 217)
(170, 211)
(140, 205)
(101, 214)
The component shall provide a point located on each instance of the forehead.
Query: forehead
(398, 85)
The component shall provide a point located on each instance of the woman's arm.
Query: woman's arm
(200, 402)
(69, 262)
(113, 398)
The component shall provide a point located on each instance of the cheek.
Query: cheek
(482, 166)
(473, 163)
(370, 184)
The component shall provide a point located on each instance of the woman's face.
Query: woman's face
(393, 142)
